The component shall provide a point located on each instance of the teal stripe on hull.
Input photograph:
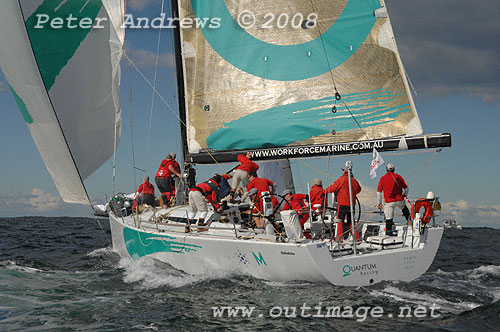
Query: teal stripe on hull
(288, 62)
(287, 124)
(140, 244)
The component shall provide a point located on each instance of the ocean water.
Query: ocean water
(60, 274)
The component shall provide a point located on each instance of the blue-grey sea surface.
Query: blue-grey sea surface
(60, 274)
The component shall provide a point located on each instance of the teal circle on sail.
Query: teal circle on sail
(288, 62)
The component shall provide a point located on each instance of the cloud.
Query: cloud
(37, 201)
(469, 214)
(140, 4)
(464, 212)
(40, 203)
(147, 58)
(449, 47)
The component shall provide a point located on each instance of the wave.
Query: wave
(13, 266)
(150, 273)
(425, 299)
(101, 252)
(289, 284)
(473, 274)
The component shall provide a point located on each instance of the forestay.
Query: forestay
(65, 82)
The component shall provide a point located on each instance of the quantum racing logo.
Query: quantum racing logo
(364, 269)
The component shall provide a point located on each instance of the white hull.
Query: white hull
(261, 256)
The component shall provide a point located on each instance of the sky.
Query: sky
(451, 54)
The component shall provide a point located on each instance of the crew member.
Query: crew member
(224, 186)
(395, 189)
(169, 168)
(145, 194)
(258, 212)
(262, 184)
(319, 200)
(297, 202)
(241, 173)
(341, 188)
(198, 195)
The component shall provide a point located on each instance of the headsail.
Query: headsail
(65, 80)
(291, 75)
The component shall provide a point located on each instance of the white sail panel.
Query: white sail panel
(272, 170)
(254, 87)
(65, 82)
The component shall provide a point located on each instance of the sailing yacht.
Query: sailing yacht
(323, 78)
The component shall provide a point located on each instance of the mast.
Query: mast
(180, 77)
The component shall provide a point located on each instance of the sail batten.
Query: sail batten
(250, 88)
(66, 84)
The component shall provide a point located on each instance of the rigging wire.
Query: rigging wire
(324, 49)
(356, 120)
(169, 107)
(410, 82)
(330, 69)
(102, 229)
(154, 83)
(430, 161)
(129, 74)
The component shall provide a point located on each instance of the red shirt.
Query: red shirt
(164, 169)
(297, 203)
(209, 189)
(392, 185)
(318, 196)
(246, 164)
(259, 204)
(146, 188)
(341, 186)
(261, 184)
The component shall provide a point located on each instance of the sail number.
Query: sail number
(247, 20)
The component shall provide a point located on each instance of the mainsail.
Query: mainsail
(65, 79)
(292, 78)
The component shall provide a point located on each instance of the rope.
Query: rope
(324, 49)
(131, 126)
(102, 229)
(154, 83)
(356, 120)
(429, 162)
(168, 105)
(317, 170)
(144, 245)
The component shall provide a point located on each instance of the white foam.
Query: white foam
(12, 265)
(100, 252)
(424, 299)
(288, 284)
(151, 273)
(474, 274)
(151, 326)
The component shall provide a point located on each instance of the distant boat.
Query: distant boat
(451, 223)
